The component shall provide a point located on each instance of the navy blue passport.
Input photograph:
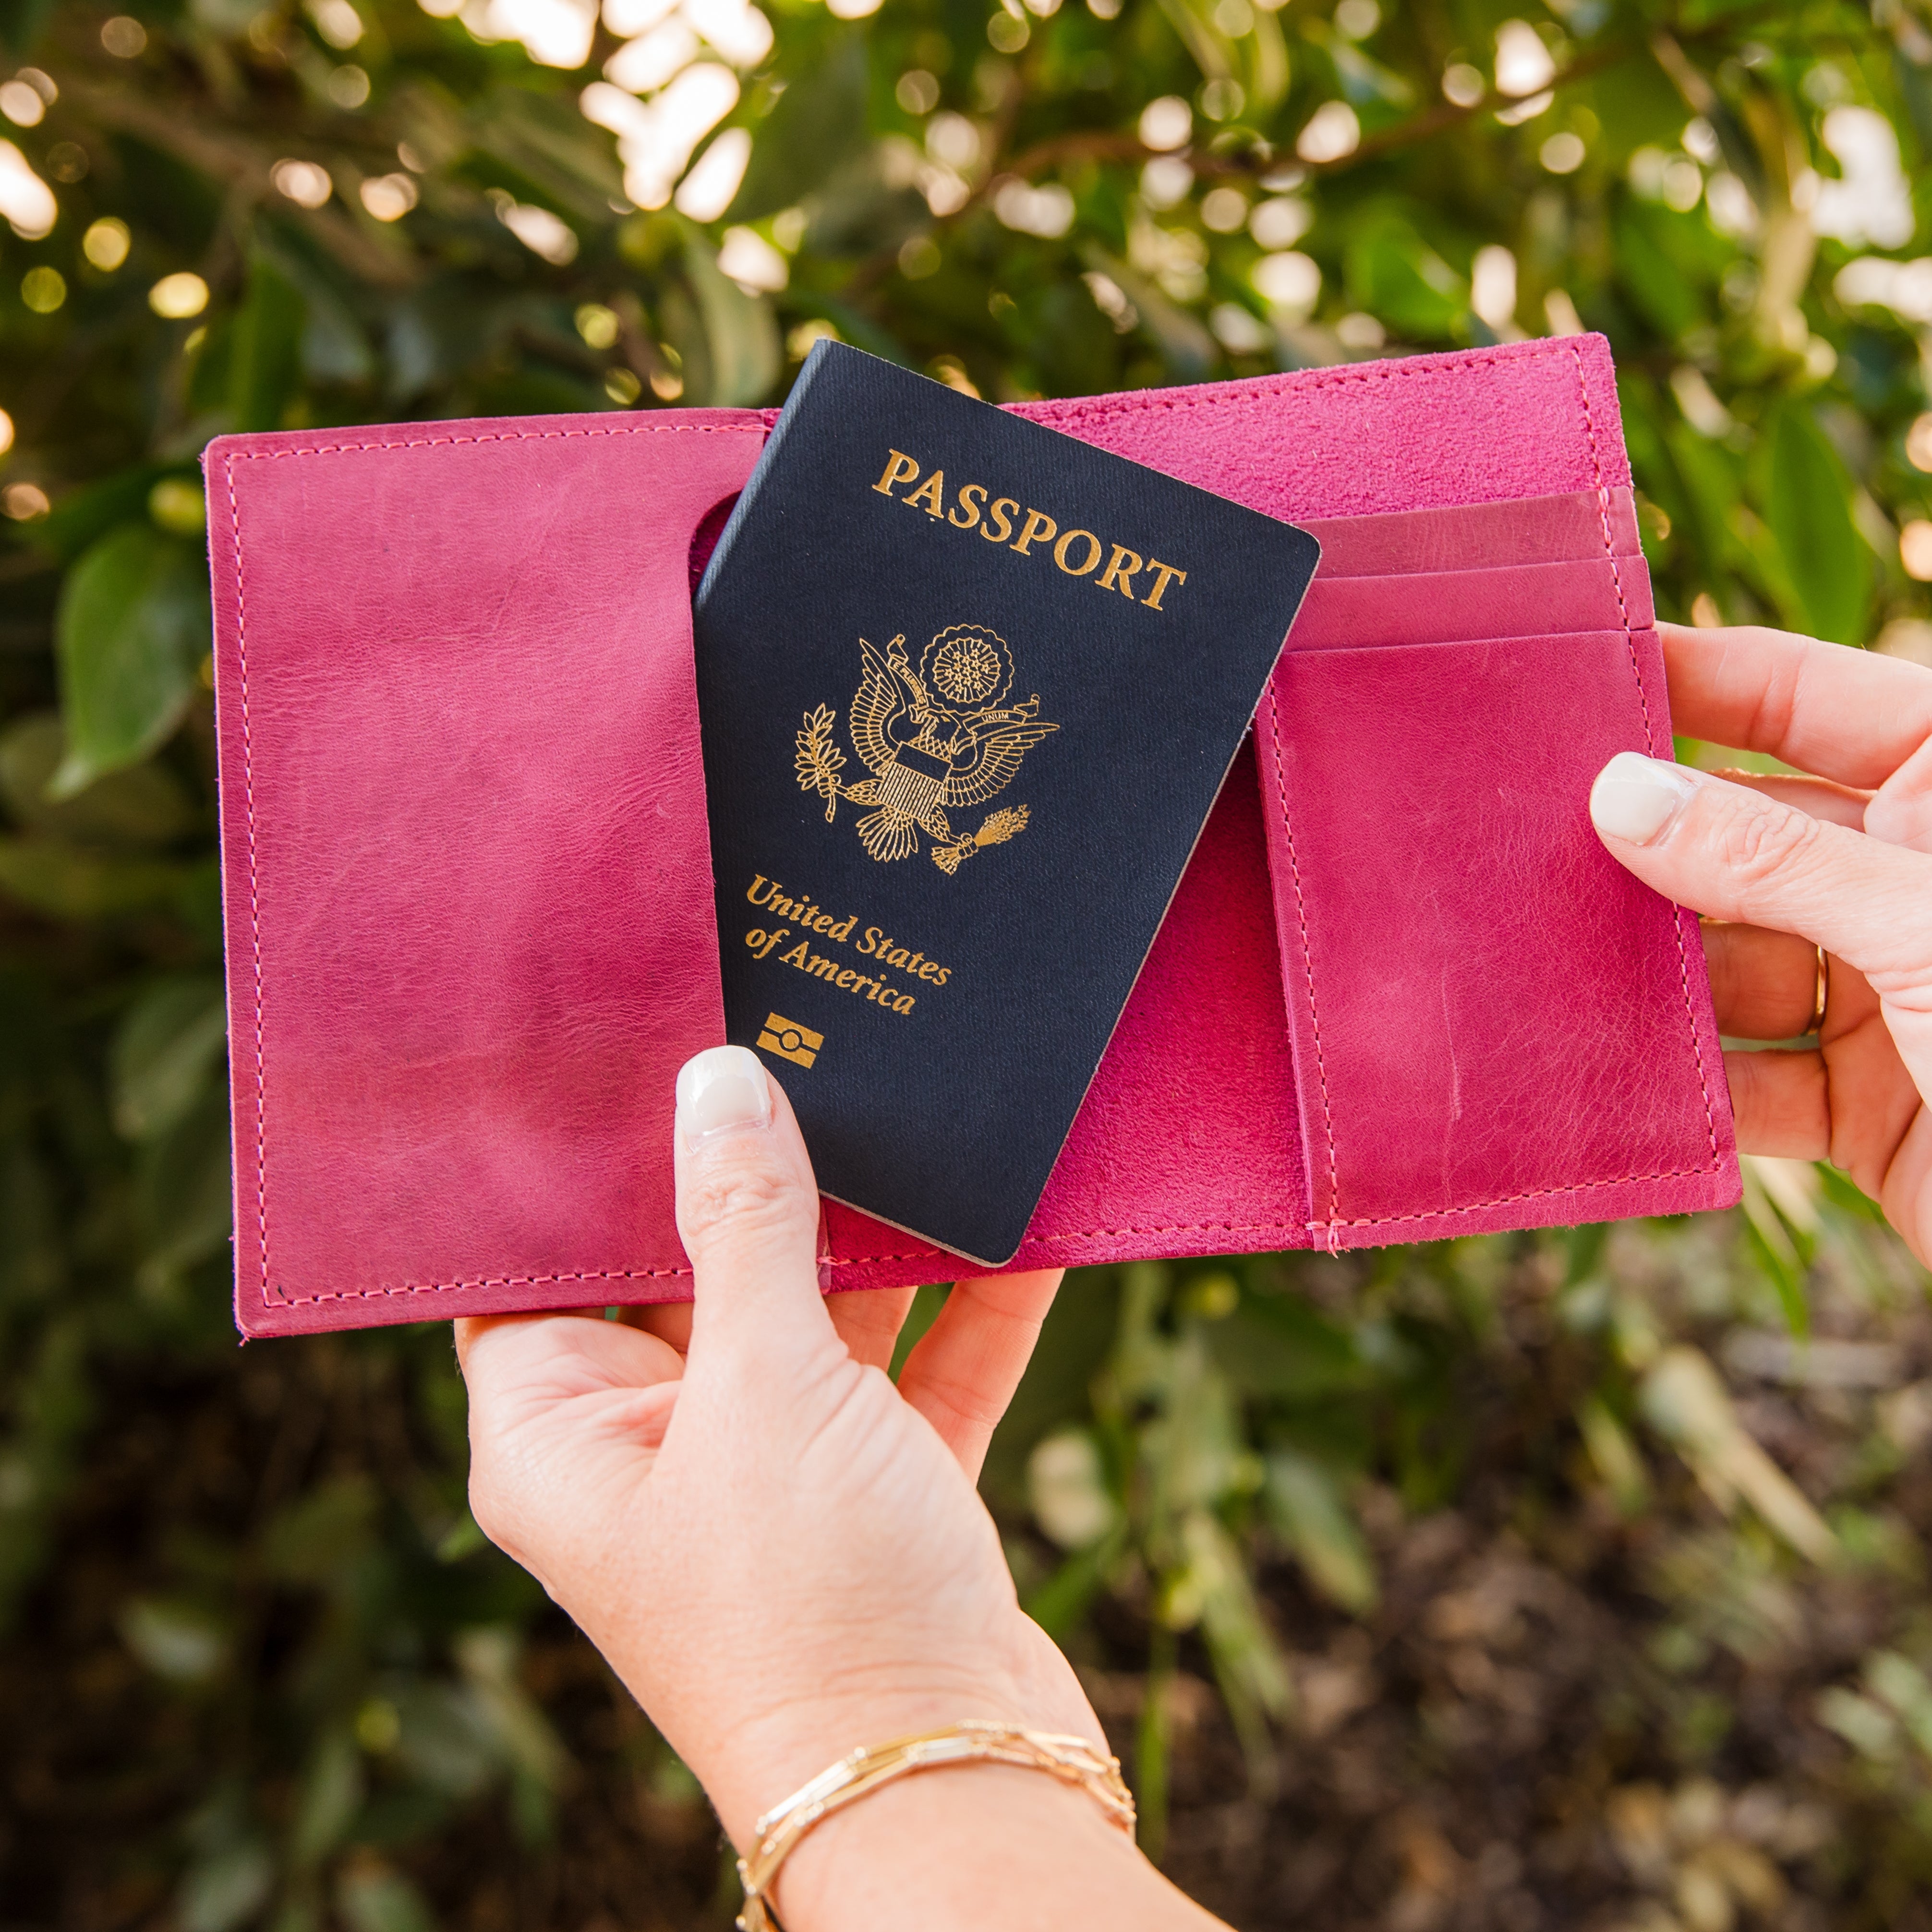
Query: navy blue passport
(968, 689)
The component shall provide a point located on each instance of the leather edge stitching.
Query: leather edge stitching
(1650, 744)
(522, 436)
(248, 794)
(254, 892)
(1307, 963)
(1381, 373)
(1035, 1242)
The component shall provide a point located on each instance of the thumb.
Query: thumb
(1734, 854)
(747, 1212)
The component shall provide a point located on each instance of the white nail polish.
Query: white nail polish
(1634, 798)
(721, 1090)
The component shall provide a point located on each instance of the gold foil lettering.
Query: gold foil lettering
(931, 495)
(1094, 546)
(1166, 573)
(1039, 528)
(899, 468)
(1119, 573)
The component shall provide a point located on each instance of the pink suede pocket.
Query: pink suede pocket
(1521, 600)
(1480, 536)
(1438, 884)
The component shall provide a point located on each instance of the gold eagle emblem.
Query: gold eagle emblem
(936, 737)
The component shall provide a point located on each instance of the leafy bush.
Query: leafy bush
(1495, 1583)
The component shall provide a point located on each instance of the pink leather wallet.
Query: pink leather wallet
(1402, 993)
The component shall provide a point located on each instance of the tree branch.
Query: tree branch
(245, 167)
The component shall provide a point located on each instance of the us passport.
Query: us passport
(968, 689)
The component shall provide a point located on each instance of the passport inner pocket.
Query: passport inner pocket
(1439, 893)
(1573, 525)
(1519, 600)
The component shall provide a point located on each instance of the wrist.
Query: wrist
(964, 1843)
(762, 1761)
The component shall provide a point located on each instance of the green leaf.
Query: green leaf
(84, 515)
(1189, 351)
(545, 145)
(224, 1890)
(1651, 280)
(818, 123)
(1058, 1604)
(1807, 500)
(178, 1641)
(1309, 1511)
(447, 1739)
(321, 1534)
(142, 805)
(166, 1049)
(1396, 276)
(331, 1794)
(21, 22)
(1276, 1344)
(183, 1190)
(68, 882)
(374, 1898)
(1712, 486)
(741, 335)
(264, 363)
(132, 627)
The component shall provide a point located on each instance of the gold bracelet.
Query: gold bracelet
(1073, 1760)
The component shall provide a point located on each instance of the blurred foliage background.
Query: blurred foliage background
(1543, 1579)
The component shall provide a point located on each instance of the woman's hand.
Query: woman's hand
(785, 1557)
(1841, 859)
(781, 1554)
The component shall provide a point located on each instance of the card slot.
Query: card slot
(1520, 601)
(1439, 891)
(1575, 526)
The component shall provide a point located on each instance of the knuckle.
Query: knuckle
(1759, 841)
(745, 1197)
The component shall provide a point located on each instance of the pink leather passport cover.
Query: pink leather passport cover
(469, 913)
(467, 872)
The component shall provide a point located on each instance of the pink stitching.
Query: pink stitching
(1034, 1243)
(1328, 379)
(1650, 742)
(1526, 1194)
(491, 1281)
(521, 436)
(254, 898)
(1307, 963)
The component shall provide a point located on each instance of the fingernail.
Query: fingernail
(1635, 797)
(720, 1091)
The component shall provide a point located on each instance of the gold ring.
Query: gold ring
(1821, 994)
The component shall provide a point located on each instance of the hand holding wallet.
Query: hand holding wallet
(1401, 993)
